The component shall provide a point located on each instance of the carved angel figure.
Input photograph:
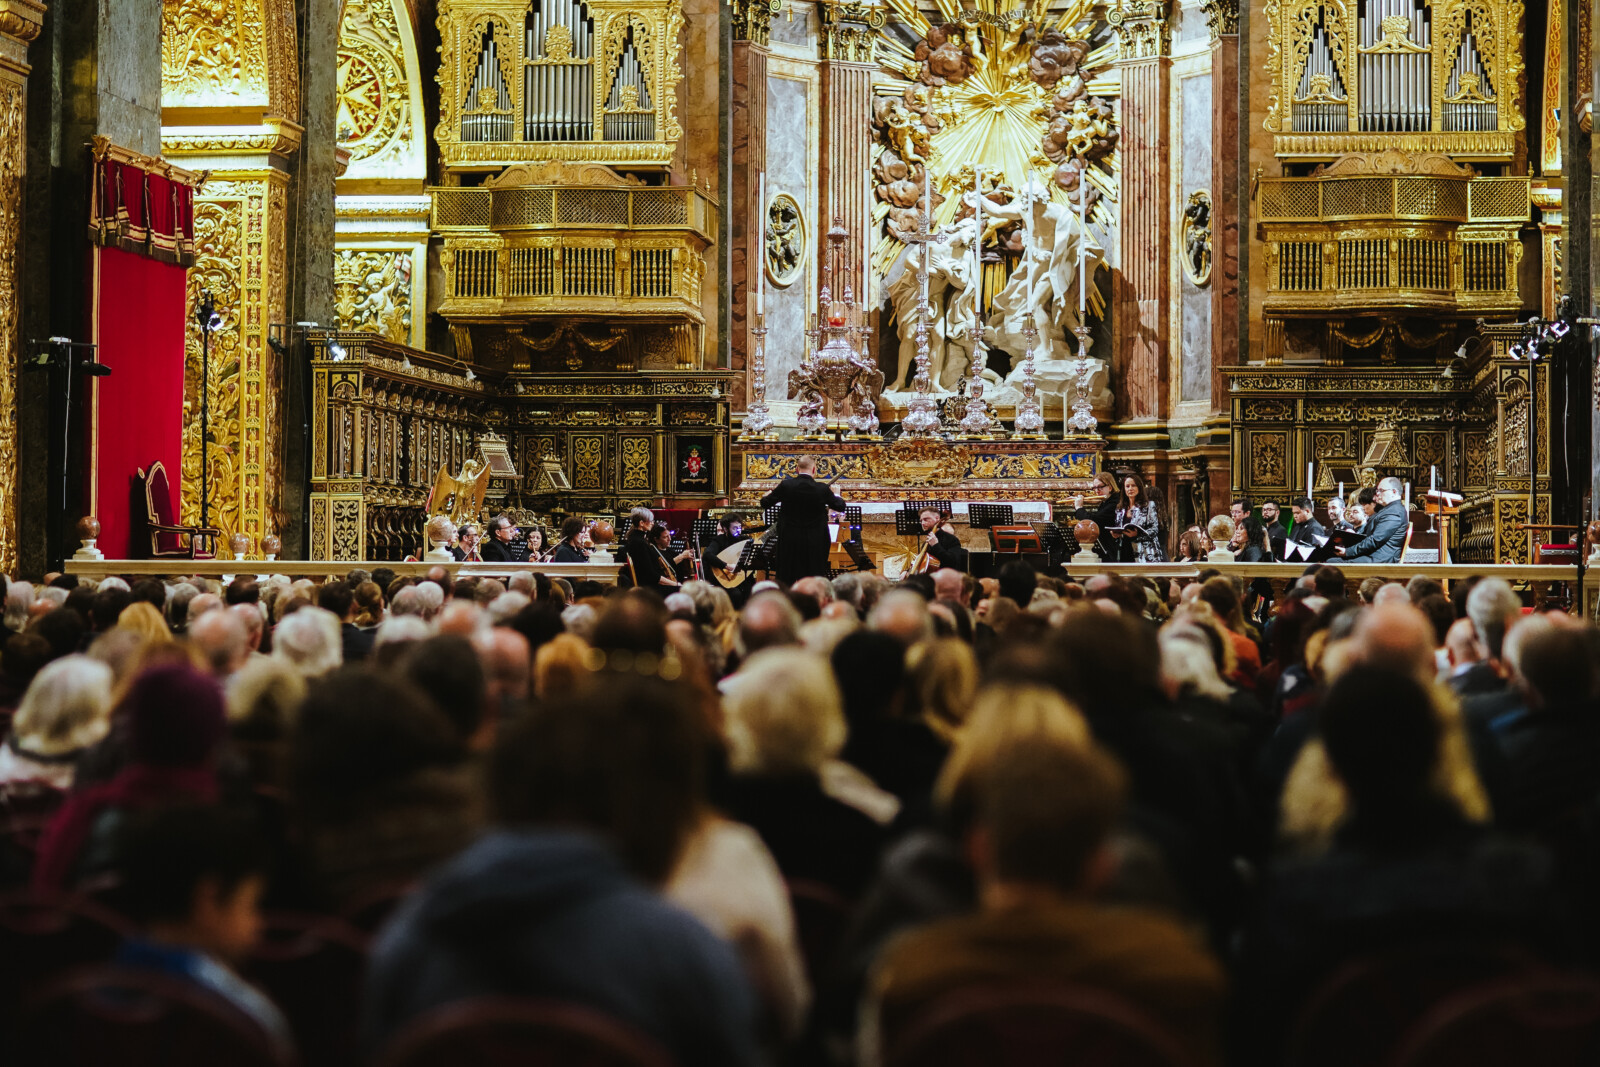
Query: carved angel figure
(1055, 57)
(951, 307)
(782, 243)
(949, 55)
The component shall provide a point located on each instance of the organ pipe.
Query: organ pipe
(1395, 66)
(558, 83)
(487, 115)
(629, 112)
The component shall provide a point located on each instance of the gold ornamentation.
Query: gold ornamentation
(378, 102)
(635, 464)
(372, 292)
(1194, 239)
(1394, 161)
(849, 30)
(1222, 17)
(228, 53)
(13, 118)
(1141, 28)
(752, 19)
(588, 462)
(1267, 458)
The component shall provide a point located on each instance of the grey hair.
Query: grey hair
(67, 707)
(112, 582)
(579, 619)
(19, 598)
(178, 602)
(51, 594)
(505, 607)
(1394, 485)
(401, 628)
(642, 515)
(431, 598)
(1489, 605)
(310, 641)
(406, 602)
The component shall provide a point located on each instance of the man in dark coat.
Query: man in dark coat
(803, 522)
(501, 546)
(1307, 530)
(943, 544)
(1385, 536)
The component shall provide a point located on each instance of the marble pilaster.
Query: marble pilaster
(748, 100)
(1223, 15)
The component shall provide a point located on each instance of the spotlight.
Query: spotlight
(1559, 329)
(1516, 351)
(335, 349)
(405, 363)
(470, 376)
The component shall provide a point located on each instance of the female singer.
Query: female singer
(1138, 523)
(574, 532)
(1192, 546)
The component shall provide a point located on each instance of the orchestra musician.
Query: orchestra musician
(501, 546)
(648, 568)
(574, 546)
(536, 551)
(679, 566)
(730, 531)
(803, 522)
(942, 548)
(466, 548)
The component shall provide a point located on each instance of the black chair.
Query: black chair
(131, 1018)
(1546, 1020)
(312, 966)
(521, 1032)
(1024, 1026)
(41, 938)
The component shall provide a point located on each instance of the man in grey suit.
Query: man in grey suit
(1385, 538)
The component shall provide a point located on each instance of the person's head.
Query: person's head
(623, 759)
(107, 606)
(242, 591)
(1557, 667)
(1420, 587)
(903, 615)
(1269, 512)
(447, 671)
(1018, 581)
(469, 535)
(361, 732)
(309, 640)
(1382, 737)
(632, 622)
(1389, 490)
(572, 529)
(1394, 637)
(662, 536)
(643, 519)
(1441, 616)
(174, 717)
(193, 877)
(769, 620)
(151, 591)
(731, 525)
(806, 464)
(1368, 500)
(1461, 643)
(145, 620)
(19, 598)
(930, 519)
(1335, 510)
(221, 638)
(63, 629)
(949, 584)
(1045, 814)
(1133, 491)
(1390, 593)
(942, 677)
(816, 587)
(201, 604)
(784, 714)
(502, 529)
(1220, 593)
(338, 598)
(66, 709)
(1302, 510)
(1328, 582)
(1493, 608)
(1238, 510)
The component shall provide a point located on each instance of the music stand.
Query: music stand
(908, 522)
(1055, 544)
(983, 516)
(770, 515)
(852, 518)
(704, 529)
(943, 507)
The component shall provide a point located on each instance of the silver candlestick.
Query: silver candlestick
(922, 414)
(757, 419)
(1081, 423)
(1029, 423)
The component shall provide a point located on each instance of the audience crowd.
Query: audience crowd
(796, 833)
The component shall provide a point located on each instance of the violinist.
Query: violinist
(574, 546)
(680, 566)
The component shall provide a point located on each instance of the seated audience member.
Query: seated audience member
(379, 786)
(1406, 864)
(1552, 746)
(1219, 592)
(143, 619)
(222, 642)
(264, 701)
(594, 799)
(1040, 844)
(1494, 609)
(355, 643)
(446, 669)
(310, 641)
(65, 710)
(768, 621)
(172, 723)
(23, 657)
(784, 724)
(889, 742)
(193, 878)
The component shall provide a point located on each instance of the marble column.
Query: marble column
(1227, 165)
(20, 21)
(1141, 287)
(748, 139)
(849, 32)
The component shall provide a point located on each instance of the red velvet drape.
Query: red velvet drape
(139, 320)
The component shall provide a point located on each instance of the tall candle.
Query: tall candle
(1408, 494)
(1433, 480)
(977, 246)
(927, 227)
(1083, 246)
(1309, 468)
(1341, 490)
(761, 245)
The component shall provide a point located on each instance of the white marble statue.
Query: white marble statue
(952, 300)
(1044, 286)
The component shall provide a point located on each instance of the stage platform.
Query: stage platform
(867, 472)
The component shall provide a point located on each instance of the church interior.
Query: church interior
(297, 264)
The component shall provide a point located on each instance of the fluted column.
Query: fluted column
(849, 31)
(20, 21)
(1140, 295)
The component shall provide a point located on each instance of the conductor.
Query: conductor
(803, 522)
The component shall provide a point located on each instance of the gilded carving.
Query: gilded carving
(1141, 28)
(588, 462)
(1222, 17)
(12, 141)
(378, 106)
(635, 461)
(219, 53)
(372, 292)
(752, 19)
(1268, 453)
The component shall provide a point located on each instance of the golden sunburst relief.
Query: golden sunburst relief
(1024, 92)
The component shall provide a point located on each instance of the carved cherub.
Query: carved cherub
(946, 56)
(1056, 56)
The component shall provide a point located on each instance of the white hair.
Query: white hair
(310, 641)
(401, 628)
(430, 598)
(1490, 605)
(506, 606)
(677, 602)
(642, 515)
(579, 619)
(406, 602)
(53, 595)
(67, 707)
(112, 582)
(19, 598)
(1394, 485)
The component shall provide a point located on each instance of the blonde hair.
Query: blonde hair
(784, 713)
(1001, 716)
(67, 707)
(943, 678)
(559, 667)
(266, 693)
(1315, 802)
(145, 620)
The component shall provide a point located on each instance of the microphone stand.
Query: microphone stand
(209, 321)
(61, 352)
